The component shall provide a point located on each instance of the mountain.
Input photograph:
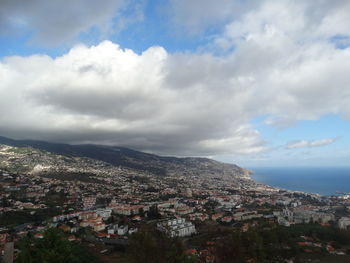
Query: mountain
(58, 154)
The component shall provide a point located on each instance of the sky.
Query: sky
(252, 82)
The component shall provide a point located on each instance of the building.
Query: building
(184, 210)
(226, 219)
(112, 229)
(241, 216)
(96, 223)
(344, 222)
(100, 226)
(216, 216)
(104, 213)
(123, 230)
(128, 210)
(132, 230)
(282, 221)
(61, 218)
(89, 202)
(177, 227)
(304, 216)
(87, 215)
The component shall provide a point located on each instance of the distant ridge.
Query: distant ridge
(125, 157)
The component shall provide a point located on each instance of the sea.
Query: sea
(319, 180)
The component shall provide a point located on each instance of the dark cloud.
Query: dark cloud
(56, 21)
(189, 104)
(133, 102)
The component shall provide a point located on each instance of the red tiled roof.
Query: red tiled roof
(191, 251)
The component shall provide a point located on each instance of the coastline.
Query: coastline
(324, 181)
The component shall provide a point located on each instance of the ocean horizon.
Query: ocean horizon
(319, 180)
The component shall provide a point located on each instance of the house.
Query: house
(226, 219)
(123, 230)
(112, 229)
(99, 227)
(103, 235)
(104, 213)
(282, 221)
(191, 251)
(216, 216)
(136, 218)
(132, 230)
(72, 238)
(39, 235)
(87, 215)
(184, 210)
(203, 217)
(74, 229)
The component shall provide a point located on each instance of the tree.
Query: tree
(153, 213)
(143, 248)
(230, 248)
(151, 246)
(52, 248)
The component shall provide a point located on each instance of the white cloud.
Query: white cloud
(304, 19)
(55, 22)
(309, 144)
(278, 60)
(104, 94)
(287, 48)
(196, 16)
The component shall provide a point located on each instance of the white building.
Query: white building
(344, 222)
(303, 216)
(132, 230)
(112, 229)
(60, 218)
(282, 221)
(176, 227)
(104, 213)
(123, 230)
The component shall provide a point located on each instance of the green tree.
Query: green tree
(53, 248)
(153, 213)
(143, 248)
(151, 246)
(230, 248)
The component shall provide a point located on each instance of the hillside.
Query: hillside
(27, 154)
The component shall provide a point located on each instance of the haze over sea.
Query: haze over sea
(320, 180)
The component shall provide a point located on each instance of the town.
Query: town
(111, 205)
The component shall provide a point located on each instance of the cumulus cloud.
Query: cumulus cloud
(104, 94)
(309, 144)
(54, 22)
(278, 59)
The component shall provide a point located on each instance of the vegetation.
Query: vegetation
(53, 248)
(259, 244)
(153, 213)
(150, 246)
(14, 218)
(269, 243)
